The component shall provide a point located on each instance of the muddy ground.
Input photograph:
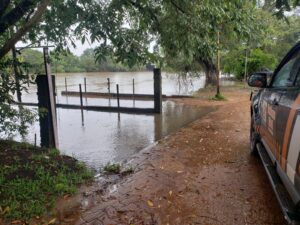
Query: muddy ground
(202, 174)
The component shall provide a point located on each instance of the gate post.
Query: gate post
(157, 91)
(47, 130)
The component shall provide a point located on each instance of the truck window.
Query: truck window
(286, 76)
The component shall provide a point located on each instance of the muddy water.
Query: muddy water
(111, 137)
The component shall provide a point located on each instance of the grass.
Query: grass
(219, 97)
(112, 168)
(31, 179)
(115, 168)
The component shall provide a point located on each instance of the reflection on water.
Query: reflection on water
(110, 137)
(107, 137)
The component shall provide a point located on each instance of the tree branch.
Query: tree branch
(142, 10)
(13, 16)
(177, 7)
(3, 6)
(25, 28)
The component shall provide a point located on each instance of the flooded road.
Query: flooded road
(201, 174)
(111, 137)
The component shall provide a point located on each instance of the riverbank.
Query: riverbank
(31, 181)
(201, 174)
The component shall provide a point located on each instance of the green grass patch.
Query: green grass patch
(114, 168)
(219, 97)
(31, 179)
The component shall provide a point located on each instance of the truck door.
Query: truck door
(268, 108)
(287, 144)
(291, 141)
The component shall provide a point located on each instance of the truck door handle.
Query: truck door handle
(275, 102)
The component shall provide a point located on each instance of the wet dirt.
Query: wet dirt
(202, 174)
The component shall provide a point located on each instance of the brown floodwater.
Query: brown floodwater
(112, 137)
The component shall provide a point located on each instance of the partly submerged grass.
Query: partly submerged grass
(116, 168)
(31, 179)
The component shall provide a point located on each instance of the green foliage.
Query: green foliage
(31, 179)
(234, 62)
(13, 119)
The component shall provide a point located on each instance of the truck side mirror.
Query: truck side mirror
(258, 80)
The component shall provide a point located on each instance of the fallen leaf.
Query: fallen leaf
(150, 203)
(52, 221)
(16, 222)
(170, 193)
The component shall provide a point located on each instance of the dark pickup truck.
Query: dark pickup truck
(275, 130)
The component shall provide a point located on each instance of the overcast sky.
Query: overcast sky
(76, 51)
(81, 47)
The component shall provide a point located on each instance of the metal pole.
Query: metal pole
(80, 92)
(218, 66)
(108, 85)
(52, 108)
(85, 85)
(133, 89)
(118, 96)
(246, 62)
(66, 84)
(81, 104)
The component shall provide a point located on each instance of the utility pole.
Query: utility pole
(218, 65)
(246, 64)
(17, 75)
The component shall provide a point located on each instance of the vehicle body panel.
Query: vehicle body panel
(276, 113)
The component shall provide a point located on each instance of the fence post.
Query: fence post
(50, 89)
(81, 104)
(66, 85)
(157, 91)
(80, 94)
(45, 117)
(118, 96)
(133, 89)
(85, 85)
(108, 85)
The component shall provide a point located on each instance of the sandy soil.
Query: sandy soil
(202, 174)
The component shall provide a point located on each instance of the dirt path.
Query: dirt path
(202, 174)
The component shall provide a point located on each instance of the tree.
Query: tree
(25, 14)
(13, 119)
(258, 60)
(182, 29)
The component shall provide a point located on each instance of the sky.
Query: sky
(76, 51)
(81, 47)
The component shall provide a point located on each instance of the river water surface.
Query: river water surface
(112, 137)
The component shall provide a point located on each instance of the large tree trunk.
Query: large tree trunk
(210, 72)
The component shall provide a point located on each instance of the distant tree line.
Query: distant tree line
(67, 62)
